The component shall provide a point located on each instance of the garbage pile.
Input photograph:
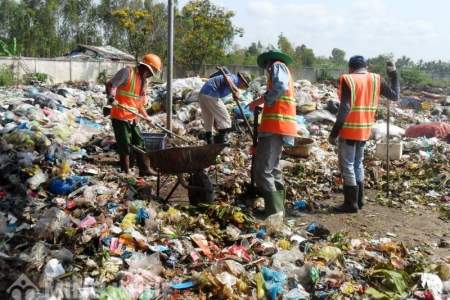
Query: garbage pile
(73, 227)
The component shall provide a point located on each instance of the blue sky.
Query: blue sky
(415, 29)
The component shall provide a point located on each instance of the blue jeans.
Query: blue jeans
(350, 158)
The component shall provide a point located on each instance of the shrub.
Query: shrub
(326, 75)
(7, 75)
(101, 78)
(415, 76)
(35, 78)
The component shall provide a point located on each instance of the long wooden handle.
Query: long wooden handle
(237, 102)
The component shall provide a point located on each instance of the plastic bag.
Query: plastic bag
(114, 293)
(274, 282)
(61, 186)
(35, 181)
(53, 268)
(52, 223)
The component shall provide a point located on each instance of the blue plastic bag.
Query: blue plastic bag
(274, 282)
(247, 111)
(61, 186)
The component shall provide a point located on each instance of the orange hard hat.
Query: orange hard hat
(153, 62)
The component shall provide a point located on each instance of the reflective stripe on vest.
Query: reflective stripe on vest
(128, 96)
(281, 118)
(365, 92)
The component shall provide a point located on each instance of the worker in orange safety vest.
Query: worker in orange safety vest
(358, 93)
(131, 84)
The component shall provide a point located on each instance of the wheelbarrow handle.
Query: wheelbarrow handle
(237, 101)
(116, 103)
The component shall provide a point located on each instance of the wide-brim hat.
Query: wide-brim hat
(275, 55)
(245, 77)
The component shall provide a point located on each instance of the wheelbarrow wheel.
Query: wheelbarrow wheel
(205, 194)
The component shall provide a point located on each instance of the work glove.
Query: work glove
(252, 105)
(253, 149)
(110, 100)
(390, 67)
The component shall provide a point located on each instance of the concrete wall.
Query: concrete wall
(63, 70)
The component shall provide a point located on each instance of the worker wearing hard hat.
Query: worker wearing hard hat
(131, 84)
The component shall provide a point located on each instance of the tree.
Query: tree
(338, 56)
(159, 33)
(77, 24)
(202, 33)
(285, 46)
(304, 56)
(138, 25)
(378, 64)
(404, 62)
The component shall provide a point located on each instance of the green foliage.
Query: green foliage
(285, 46)
(304, 56)
(378, 64)
(6, 75)
(31, 78)
(203, 31)
(338, 56)
(326, 75)
(8, 51)
(415, 76)
(138, 24)
(101, 78)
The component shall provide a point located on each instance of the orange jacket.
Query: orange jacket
(281, 117)
(365, 92)
(128, 96)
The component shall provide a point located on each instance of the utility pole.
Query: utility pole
(169, 66)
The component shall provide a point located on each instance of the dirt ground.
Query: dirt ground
(417, 227)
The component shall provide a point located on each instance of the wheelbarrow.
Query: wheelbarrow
(191, 160)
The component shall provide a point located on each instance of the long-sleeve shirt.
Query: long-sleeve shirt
(217, 87)
(344, 107)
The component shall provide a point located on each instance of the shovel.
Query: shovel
(237, 102)
(116, 103)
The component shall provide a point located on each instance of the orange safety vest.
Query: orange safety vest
(281, 117)
(128, 96)
(365, 92)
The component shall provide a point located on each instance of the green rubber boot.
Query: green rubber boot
(282, 188)
(273, 202)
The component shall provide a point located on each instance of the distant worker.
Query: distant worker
(278, 128)
(213, 108)
(359, 92)
(131, 83)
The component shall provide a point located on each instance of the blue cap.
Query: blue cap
(357, 58)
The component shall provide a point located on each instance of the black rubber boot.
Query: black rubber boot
(221, 137)
(361, 201)
(208, 137)
(350, 200)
